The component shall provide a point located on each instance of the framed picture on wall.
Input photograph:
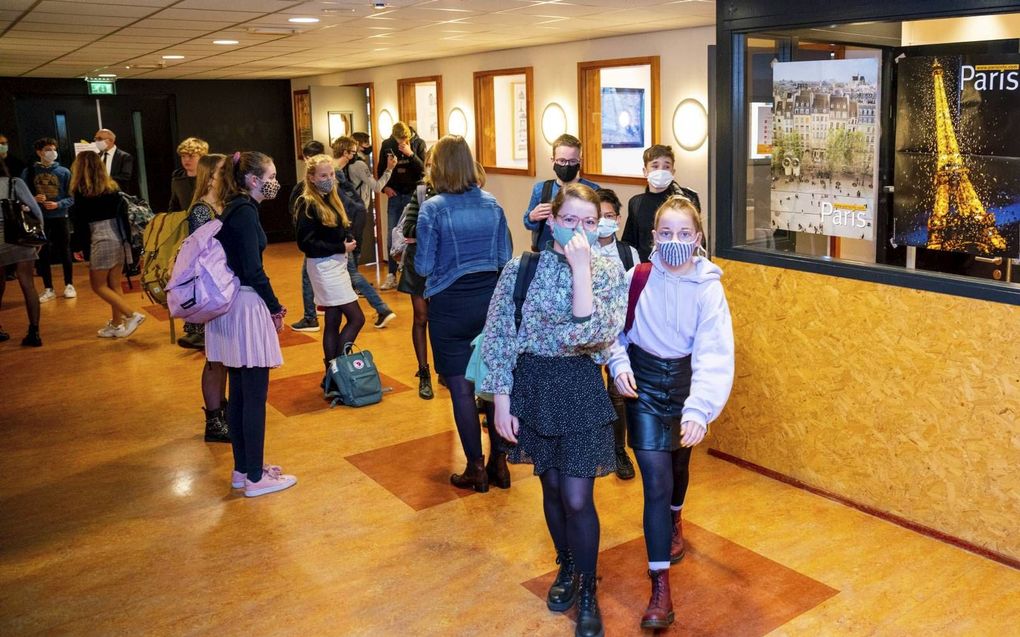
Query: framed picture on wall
(519, 111)
(623, 117)
(302, 119)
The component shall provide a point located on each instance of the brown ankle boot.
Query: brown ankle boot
(474, 476)
(497, 472)
(677, 548)
(660, 605)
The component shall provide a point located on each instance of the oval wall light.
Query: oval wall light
(690, 124)
(385, 123)
(554, 122)
(457, 123)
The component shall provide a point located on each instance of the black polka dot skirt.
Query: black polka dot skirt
(566, 416)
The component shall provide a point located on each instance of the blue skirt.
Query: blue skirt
(456, 317)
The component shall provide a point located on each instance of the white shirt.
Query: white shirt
(109, 158)
(612, 253)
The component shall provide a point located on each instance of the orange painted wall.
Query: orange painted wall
(903, 400)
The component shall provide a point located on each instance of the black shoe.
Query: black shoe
(32, 338)
(425, 383)
(306, 325)
(624, 467)
(589, 619)
(4, 336)
(563, 592)
(384, 319)
(192, 341)
(216, 425)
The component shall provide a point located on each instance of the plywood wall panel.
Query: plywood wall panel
(903, 400)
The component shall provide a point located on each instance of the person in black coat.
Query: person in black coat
(182, 181)
(409, 149)
(119, 164)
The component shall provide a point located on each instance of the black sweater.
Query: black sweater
(244, 240)
(313, 238)
(86, 210)
(409, 170)
(641, 216)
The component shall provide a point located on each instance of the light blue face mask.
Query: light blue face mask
(564, 235)
(3, 149)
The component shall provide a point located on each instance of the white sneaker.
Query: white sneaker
(108, 331)
(389, 283)
(70, 292)
(47, 295)
(130, 325)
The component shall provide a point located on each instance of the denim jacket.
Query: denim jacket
(460, 234)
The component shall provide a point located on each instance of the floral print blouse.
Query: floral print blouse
(548, 327)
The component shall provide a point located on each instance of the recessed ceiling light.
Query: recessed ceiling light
(107, 75)
(173, 57)
(225, 42)
(303, 20)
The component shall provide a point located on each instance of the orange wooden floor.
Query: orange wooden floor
(117, 519)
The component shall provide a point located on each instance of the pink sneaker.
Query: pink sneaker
(237, 478)
(271, 482)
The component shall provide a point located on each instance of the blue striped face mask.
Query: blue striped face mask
(676, 253)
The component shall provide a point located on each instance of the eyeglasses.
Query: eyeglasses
(682, 235)
(567, 162)
(570, 221)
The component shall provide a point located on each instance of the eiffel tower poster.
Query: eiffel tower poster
(958, 154)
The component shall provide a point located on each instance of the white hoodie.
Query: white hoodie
(681, 315)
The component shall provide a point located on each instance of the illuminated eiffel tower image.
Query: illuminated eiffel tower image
(971, 228)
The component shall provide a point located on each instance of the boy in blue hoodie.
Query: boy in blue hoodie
(50, 185)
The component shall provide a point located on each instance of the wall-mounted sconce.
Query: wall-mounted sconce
(457, 123)
(690, 124)
(554, 122)
(385, 124)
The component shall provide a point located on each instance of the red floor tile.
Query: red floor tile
(159, 313)
(296, 395)
(289, 337)
(720, 588)
(418, 471)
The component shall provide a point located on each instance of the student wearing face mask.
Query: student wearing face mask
(14, 165)
(546, 378)
(324, 235)
(245, 339)
(659, 170)
(623, 253)
(674, 362)
(50, 184)
(566, 164)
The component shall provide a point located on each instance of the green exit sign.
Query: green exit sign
(102, 87)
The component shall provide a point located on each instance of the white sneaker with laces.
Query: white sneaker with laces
(70, 292)
(47, 295)
(130, 325)
(389, 283)
(108, 331)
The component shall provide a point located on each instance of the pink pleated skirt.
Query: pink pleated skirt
(245, 335)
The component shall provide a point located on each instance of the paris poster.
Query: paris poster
(958, 154)
(824, 147)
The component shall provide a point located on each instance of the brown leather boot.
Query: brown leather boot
(677, 548)
(497, 472)
(474, 476)
(660, 605)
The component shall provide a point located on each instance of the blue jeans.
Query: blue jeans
(394, 208)
(363, 287)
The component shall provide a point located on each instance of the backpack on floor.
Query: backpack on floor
(161, 240)
(202, 286)
(353, 379)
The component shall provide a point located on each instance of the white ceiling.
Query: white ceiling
(74, 38)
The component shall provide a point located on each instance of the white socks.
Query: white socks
(658, 566)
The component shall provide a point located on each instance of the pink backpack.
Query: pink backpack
(202, 286)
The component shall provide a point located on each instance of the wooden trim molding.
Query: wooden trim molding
(485, 120)
(870, 510)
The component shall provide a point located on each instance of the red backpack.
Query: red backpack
(637, 285)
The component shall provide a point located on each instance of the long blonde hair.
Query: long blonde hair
(204, 173)
(330, 209)
(89, 177)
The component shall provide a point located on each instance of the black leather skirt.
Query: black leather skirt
(654, 418)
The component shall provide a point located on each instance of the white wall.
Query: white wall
(683, 73)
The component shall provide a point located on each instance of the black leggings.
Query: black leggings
(58, 250)
(465, 415)
(334, 338)
(246, 418)
(569, 505)
(665, 476)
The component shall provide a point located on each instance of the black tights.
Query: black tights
(246, 418)
(465, 415)
(24, 274)
(419, 328)
(214, 385)
(569, 505)
(665, 476)
(334, 338)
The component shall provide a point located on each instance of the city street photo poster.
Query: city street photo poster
(825, 147)
(957, 166)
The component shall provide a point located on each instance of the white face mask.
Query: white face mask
(608, 227)
(101, 145)
(50, 155)
(660, 178)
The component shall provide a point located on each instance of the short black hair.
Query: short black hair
(609, 197)
(312, 148)
(43, 142)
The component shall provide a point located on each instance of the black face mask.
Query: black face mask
(367, 151)
(566, 173)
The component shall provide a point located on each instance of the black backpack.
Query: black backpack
(536, 234)
(626, 256)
